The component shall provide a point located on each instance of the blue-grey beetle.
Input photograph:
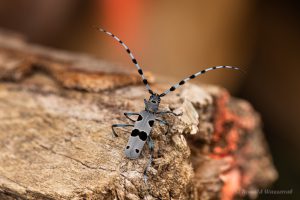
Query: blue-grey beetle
(142, 127)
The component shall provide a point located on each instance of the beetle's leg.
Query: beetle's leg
(128, 114)
(168, 112)
(164, 123)
(119, 125)
(151, 148)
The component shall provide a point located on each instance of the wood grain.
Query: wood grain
(56, 112)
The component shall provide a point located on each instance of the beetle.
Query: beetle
(142, 127)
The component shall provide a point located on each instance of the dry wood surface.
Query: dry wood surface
(56, 112)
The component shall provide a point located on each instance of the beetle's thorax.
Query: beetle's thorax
(152, 104)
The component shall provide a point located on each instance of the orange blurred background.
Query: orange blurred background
(174, 39)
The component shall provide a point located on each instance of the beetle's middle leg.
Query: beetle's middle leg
(118, 126)
(151, 148)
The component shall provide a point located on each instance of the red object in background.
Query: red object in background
(120, 15)
(228, 139)
(123, 18)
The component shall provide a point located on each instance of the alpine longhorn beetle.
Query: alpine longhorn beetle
(143, 125)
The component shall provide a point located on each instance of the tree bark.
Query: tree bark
(56, 112)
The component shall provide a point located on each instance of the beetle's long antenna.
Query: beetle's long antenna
(174, 87)
(131, 56)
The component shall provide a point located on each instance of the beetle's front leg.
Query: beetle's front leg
(117, 126)
(168, 112)
(164, 123)
(128, 114)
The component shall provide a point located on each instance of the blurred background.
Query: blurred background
(174, 39)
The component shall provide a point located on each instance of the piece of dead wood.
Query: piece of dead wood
(56, 141)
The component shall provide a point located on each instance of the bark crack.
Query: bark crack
(14, 181)
(75, 159)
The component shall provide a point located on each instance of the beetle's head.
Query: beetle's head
(153, 103)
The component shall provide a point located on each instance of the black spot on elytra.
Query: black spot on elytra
(137, 151)
(143, 135)
(139, 118)
(127, 147)
(151, 122)
(135, 132)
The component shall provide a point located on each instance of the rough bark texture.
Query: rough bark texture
(56, 141)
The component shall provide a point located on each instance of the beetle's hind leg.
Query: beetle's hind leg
(151, 148)
(119, 126)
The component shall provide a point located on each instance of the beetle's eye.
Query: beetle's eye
(153, 101)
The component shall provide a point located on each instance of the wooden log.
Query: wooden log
(56, 112)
